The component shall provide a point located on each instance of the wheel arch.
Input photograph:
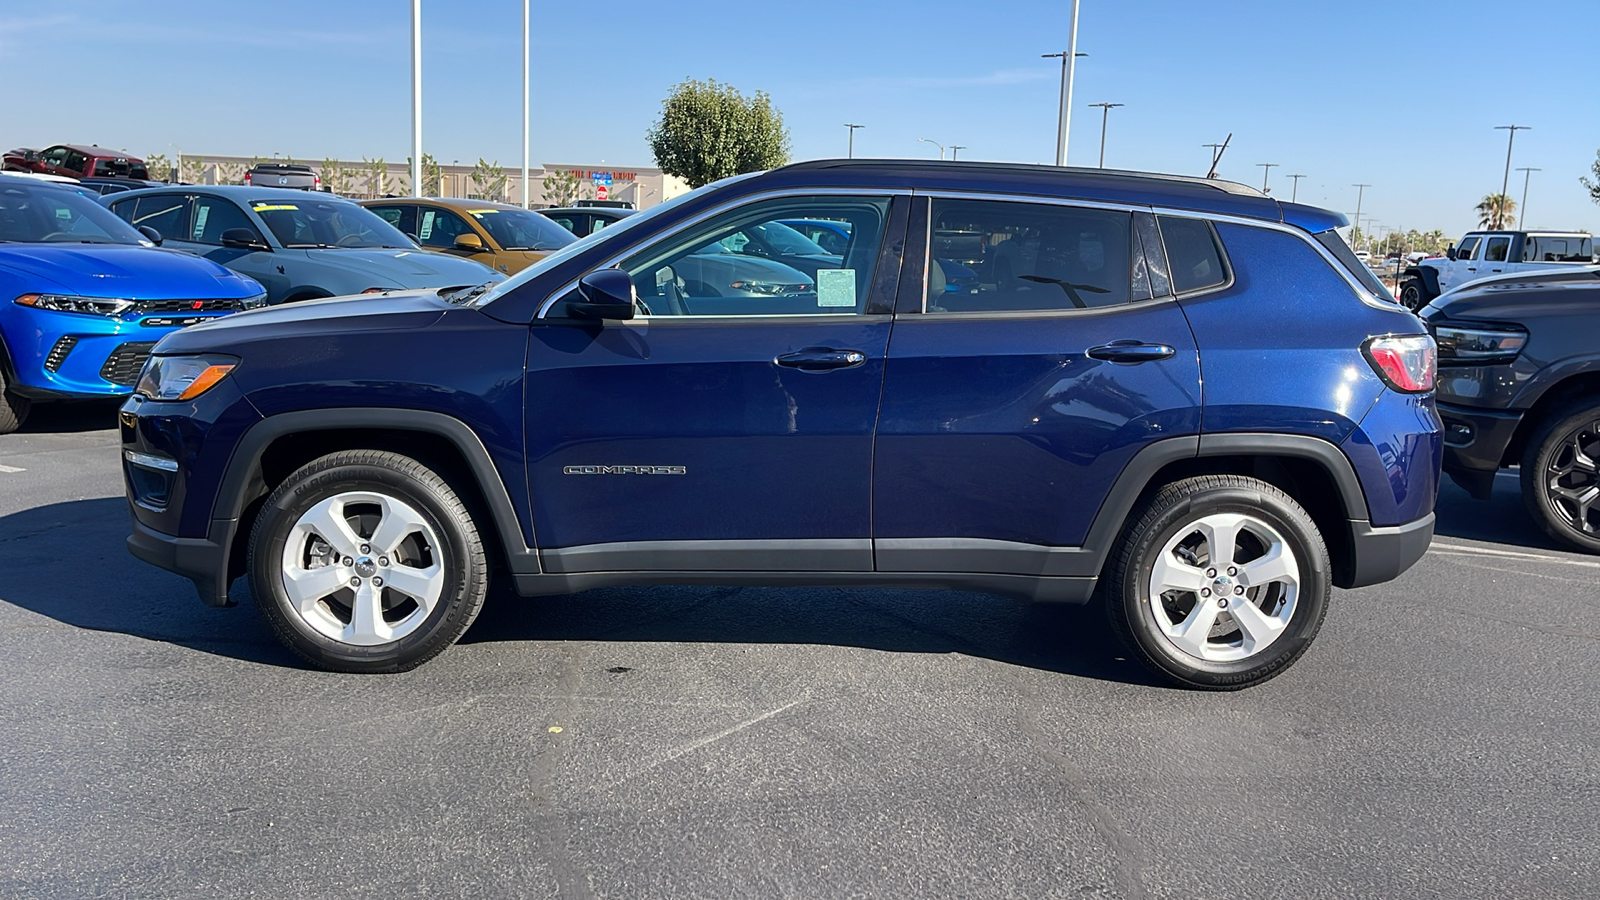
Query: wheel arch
(276, 446)
(307, 292)
(1572, 386)
(1312, 471)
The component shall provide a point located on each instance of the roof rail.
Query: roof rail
(1228, 187)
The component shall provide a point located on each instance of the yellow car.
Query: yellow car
(504, 237)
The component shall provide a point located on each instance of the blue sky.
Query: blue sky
(1402, 95)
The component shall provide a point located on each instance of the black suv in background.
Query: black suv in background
(283, 175)
(1519, 384)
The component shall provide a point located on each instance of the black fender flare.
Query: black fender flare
(242, 481)
(1429, 277)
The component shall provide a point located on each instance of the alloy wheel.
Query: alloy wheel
(1224, 587)
(1572, 479)
(363, 568)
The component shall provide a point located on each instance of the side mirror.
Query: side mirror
(469, 243)
(243, 239)
(607, 294)
(151, 233)
(1450, 252)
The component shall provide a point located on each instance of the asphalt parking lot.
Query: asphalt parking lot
(1438, 741)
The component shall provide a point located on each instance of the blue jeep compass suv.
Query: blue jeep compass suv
(1178, 397)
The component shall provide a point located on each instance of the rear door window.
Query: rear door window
(1496, 249)
(1001, 256)
(438, 228)
(215, 215)
(1194, 256)
(401, 216)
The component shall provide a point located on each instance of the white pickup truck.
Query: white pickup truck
(1484, 253)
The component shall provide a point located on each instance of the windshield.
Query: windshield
(519, 229)
(787, 241)
(45, 214)
(615, 232)
(306, 224)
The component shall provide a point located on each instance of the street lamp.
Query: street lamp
(1068, 59)
(1294, 192)
(1511, 137)
(936, 144)
(416, 98)
(1527, 174)
(1105, 113)
(1266, 169)
(852, 150)
(1360, 190)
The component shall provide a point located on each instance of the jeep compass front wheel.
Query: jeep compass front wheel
(1221, 582)
(367, 561)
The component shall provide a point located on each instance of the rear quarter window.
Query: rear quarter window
(1194, 254)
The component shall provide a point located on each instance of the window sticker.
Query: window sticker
(269, 207)
(426, 231)
(836, 287)
(200, 216)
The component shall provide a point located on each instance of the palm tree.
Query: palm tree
(1495, 211)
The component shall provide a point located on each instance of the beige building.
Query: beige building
(643, 186)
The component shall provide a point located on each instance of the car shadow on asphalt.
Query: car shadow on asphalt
(71, 416)
(108, 590)
(1502, 519)
(104, 588)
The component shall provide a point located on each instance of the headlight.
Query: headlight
(1475, 344)
(255, 302)
(94, 306)
(182, 377)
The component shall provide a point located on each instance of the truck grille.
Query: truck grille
(58, 353)
(124, 364)
(186, 306)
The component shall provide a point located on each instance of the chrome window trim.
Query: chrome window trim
(775, 194)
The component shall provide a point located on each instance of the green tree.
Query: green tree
(490, 180)
(709, 131)
(1593, 187)
(561, 188)
(158, 166)
(432, 176)
(1495, 211)
(191, 169)
(230, 173)
(377, 172)
(336, 176)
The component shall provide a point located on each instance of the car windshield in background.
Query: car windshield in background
(518, 229)
(316, 224)
(43, 214)
(787, 241)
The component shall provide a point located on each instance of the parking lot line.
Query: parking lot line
(9, 470)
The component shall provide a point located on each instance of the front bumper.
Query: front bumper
(203, 561)
(1475, 442)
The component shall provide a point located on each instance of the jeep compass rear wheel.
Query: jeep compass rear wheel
(1221, 582)
(367, 561)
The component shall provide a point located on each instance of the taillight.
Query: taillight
(247, 179)
(1407, 364)
(316, 182)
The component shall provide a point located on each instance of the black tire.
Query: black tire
(1549, 450)
(459, 552)
(1166, 517)
(1413, 293)
(13, 408)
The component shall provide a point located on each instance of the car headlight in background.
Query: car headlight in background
(255, 302)
(94, 306)
(182, 377)
(1466, 344)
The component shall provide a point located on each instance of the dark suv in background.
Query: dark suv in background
(1519, 385)
(602, 419)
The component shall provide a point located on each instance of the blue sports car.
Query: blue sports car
(84, 296)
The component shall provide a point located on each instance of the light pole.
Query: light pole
(1105, 113)
(1068, 59)
(936, 144)
(1266, 169)
(1360, 190)
(1527, 174)
(953, 149)
(524, 105)
(416, 98)
(1294, 192)
(1511, 137)
(852, 150)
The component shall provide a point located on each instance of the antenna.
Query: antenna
(1217, 156)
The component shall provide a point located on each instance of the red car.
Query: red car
(75, 161)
